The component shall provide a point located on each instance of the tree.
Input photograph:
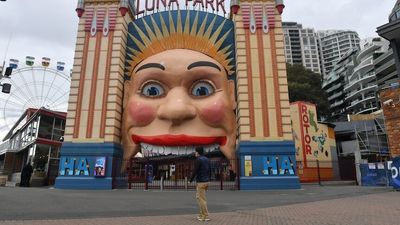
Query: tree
(305, 85)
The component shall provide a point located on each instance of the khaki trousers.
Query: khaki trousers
(201, 198)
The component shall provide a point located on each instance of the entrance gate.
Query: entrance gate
(173, 173)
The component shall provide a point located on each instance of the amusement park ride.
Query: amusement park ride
(32, 85)
(6, 87)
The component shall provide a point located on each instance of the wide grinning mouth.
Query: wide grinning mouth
(149, 150)
(178, 140)
(176, 144)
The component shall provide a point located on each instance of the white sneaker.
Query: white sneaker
(199, 218)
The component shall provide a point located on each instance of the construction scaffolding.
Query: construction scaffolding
(372, 139)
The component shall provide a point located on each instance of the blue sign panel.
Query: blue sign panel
(395, 168)
(274, 165)
(70, 166)
(100, 167)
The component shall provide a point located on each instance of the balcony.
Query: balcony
(338, 103)
(367, 110)
(382, 59)
(361, 80)
(359, 91)
(356, 102)
(387, 79)
(4, 147)
(384, 68)
(334, 87)
(332, 78)
(362, 68)
(368, 50)
(330, 98)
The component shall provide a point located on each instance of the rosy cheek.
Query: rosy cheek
(213, 113)
(141, 113)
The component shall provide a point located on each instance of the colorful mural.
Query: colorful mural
(314, 142)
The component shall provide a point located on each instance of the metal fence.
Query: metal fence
(173, 173)
(324, 171)
(376, 173)
(345, 169)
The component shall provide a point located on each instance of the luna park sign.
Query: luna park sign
(151, 6)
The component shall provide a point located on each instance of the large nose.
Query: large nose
(177, 107)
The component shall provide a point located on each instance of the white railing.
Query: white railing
(4, 146)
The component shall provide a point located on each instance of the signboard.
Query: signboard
(149, 6)
(313, 141)
(248, 166)
(100, 167)
(395, 169)
(371, 166)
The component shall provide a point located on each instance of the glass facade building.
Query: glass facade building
(36, 138)
(333, 45)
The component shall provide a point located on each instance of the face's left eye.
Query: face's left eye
(202, 89)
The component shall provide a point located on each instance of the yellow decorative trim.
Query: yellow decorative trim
(87, 140)
(198, 37)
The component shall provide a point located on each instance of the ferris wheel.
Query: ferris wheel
(33, 87)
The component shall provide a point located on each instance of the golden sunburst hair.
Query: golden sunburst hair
(204, 32)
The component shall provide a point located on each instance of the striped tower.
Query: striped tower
(93, 123)
(266, 146)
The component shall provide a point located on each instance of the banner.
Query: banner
(395, 169)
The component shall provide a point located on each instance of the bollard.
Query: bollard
(186, 183)
(162, 183)
(319, 175)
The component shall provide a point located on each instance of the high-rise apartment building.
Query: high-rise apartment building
(334, 84)
(388, 65)
(334, 44)
(385, 70)
(361, 86)
(351, 85)
(301, 46)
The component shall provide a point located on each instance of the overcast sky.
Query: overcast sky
(48, 27)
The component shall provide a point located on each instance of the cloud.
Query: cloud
(362, 16)
(38, 28)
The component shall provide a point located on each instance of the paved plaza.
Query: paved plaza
(310, 205)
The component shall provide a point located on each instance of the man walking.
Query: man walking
(26, 174)
(202, 173)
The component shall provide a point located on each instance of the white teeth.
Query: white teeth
(211, 148)
(154, 150)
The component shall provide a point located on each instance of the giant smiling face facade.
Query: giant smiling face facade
(179, 94)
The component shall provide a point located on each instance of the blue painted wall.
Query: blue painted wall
(273, 165)
(77, 162)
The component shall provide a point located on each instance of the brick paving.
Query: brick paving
(373, 209)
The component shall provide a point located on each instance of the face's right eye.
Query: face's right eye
(152, 90)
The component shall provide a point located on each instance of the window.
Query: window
(59, 127)
(312, 41)
(305, 41)
(46, 127)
